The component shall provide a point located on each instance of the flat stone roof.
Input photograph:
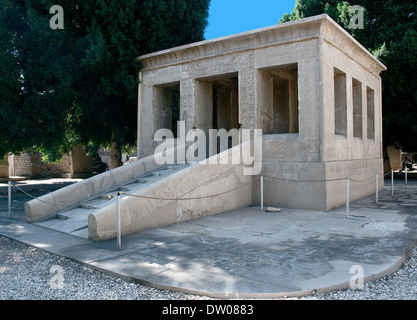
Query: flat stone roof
(321, 26)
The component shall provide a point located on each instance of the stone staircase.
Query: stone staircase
(152, 195)
(74, 220)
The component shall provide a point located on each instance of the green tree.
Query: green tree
(119, 32)
(390, 33)
(79, 84)
(36, 76)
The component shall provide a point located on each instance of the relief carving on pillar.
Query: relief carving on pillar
(187, 102)
(247, 89)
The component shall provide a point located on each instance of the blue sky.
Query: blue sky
(229, 17)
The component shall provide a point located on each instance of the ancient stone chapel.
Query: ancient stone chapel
(311, 87)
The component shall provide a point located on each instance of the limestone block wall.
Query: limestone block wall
(395, 158)
(292, 159)
(351, 117)
(81, 163)
(30, 164)
(288, 180)
(4, 168)
(362, 176)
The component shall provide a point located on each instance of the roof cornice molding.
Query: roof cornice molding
(339, 38)
(283, 33)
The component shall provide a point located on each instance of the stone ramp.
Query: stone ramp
(152, 195)
(75, 219)
(91, 191)
(206, 188)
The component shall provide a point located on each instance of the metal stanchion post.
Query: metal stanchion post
(347, 197)
(377, 188)
(392, 182)
(119, 236)
(262, 193)
(10, 199)
(406, 170)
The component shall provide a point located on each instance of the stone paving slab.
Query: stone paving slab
(248, 253)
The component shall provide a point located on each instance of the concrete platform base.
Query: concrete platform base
(250, 253)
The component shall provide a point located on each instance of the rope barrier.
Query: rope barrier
(146, 197)
(29, 195)
(203, 197)
(43, 201)
(193, 198)
(317, 181)
(386, 173)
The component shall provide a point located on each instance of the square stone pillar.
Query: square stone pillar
(309, 111)
(247, 98)
(187, 103)
(146, 126)
(203, 106)
(265, 102)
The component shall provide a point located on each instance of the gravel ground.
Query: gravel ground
(28, 273)
(401, 285)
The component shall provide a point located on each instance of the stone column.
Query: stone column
(146, 128)
(187, 108)
(139, 129)
(265, 102)
(247, 98)
(309, 111)
(293, 102)
(203, 106)
(235, 108)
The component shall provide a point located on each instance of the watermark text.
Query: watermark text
(206, 147)
(57, 20)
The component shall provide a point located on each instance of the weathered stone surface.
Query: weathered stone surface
(200, 190)
(316, 128)
(48, 205)
(313, 91)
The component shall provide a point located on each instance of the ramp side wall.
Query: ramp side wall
(50, 204)
(200, 190)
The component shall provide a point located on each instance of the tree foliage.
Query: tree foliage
(36, 94)
(390, 33)
(59, 88)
